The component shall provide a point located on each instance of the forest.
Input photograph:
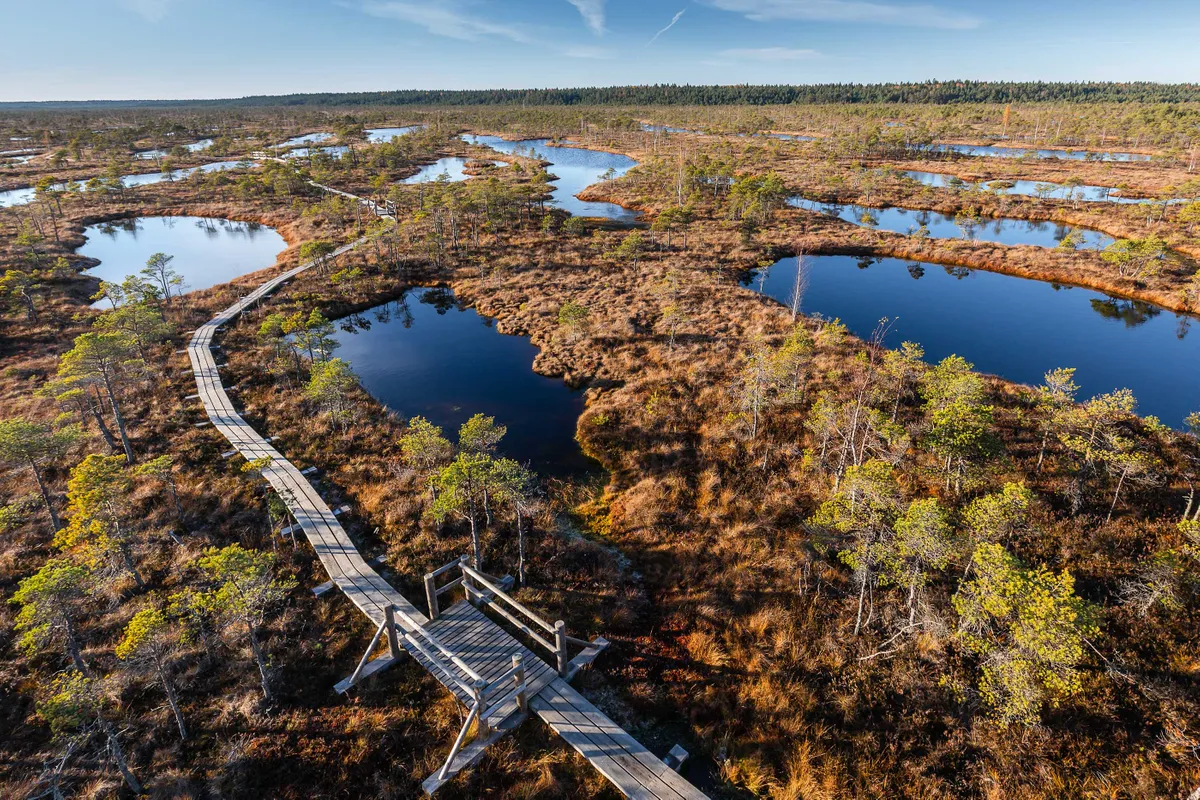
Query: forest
(935, 92)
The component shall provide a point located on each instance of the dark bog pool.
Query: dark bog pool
(577, 168)
(1015, 328)
(426, 355)
(207, 251)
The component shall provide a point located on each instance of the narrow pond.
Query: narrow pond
(1002, 230)
(1012, 327)
(335, 150)
(191, 147)
(376, 135)
(308, 138)
(1086, 193)
(576, 168)
(207, 251)
(16, 197)
(451, 166)
(997, 151)
(426, 355)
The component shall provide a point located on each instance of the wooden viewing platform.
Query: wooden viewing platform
(493, 674)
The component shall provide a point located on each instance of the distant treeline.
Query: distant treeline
(935, 92)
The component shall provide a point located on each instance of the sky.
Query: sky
(185, 49)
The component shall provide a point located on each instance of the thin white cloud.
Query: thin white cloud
(587, 51)
(443, 18)
(151, 10)
(592, 12)
(768, 54)
(670, 25)
(921, 15)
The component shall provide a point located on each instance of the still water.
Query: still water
(16, 197)
(994, 151)
(451, 166)
(1000, 230)
(426, 355)
(308, 138)
(191, 147)
(576, 168)
(1015, 328)
(387, 134)
(207, 251)
(1084, 192)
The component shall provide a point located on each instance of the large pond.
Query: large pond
(453, 167)
(1015, 328)
(207, 251)
(426, 355)
(996, 151)
(16, 197)
(1002, 230)
(1083, 192)
(576, 168)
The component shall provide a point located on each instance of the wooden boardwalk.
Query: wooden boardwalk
(482, 664)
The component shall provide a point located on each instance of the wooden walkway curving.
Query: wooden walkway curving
(485, 667)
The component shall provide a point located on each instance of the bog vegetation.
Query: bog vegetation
(831, 569)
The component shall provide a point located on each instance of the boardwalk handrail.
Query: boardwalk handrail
(483, 580)
(558, 648)
(429, 637)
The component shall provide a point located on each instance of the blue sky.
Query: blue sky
(121, 49)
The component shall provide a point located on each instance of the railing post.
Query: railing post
(481, 704)
(519, 680)
(469, 588)
(389, 615)
(560, 645)
(431, 596)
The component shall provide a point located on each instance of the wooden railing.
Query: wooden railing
(486, 695)
(482, 588)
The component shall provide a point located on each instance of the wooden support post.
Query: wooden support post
(675, 758)
(481, 705)
(389, 616)
(560, 646)
(431, 596)
(469, 588)
(519, 680)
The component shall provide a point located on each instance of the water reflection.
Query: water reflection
(997, 151)
(16, 197)
(1084, 192)
(1012, 327)
(377, 135)
(1001, 230)
(575, 168)
(453, 167)
(207, 251)
(426, 354)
